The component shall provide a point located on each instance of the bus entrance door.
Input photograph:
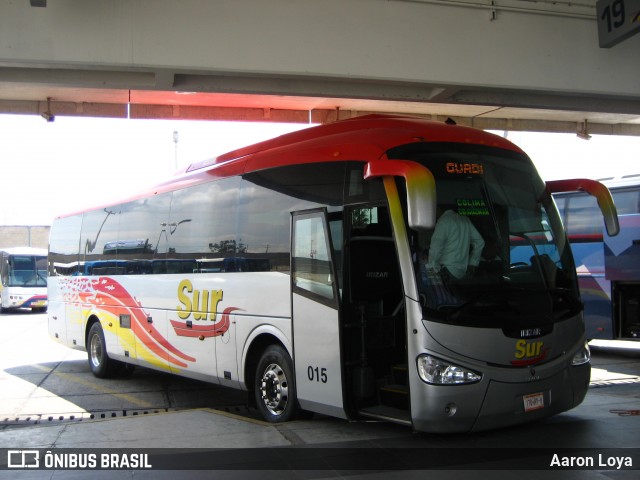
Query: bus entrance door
(316, 320)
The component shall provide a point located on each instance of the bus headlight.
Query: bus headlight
(582, 356)
(436, 371)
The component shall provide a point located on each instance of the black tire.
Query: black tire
(275, 386)
(99, 362)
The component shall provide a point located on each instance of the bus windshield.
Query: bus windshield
(27, 271)
(510, 266)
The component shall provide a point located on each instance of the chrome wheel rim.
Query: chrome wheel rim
(274, 389)
(96, 351)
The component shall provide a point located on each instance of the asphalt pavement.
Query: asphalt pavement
(599, 439)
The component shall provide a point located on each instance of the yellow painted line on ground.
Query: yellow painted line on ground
(95, 386)
(262, 423)
(130, 398)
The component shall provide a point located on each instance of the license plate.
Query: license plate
(39, 303)
(533, 401)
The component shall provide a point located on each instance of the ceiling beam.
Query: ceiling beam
(278, 115)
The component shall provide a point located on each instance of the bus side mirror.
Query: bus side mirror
(596, 189)
(421, 189)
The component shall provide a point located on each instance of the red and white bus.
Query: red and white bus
(292, 269)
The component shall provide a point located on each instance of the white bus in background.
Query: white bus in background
(23, 278)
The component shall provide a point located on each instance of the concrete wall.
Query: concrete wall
(36, 236)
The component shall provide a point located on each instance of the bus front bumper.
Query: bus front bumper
(26, 301)
(495, 404)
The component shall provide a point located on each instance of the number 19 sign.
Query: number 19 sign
(617, 21)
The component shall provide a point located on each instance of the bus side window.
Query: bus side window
(580, 214)
(627, 201)
(561, 203)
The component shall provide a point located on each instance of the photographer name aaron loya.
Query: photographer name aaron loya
(590, 461)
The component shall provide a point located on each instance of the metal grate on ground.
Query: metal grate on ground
(30, 419)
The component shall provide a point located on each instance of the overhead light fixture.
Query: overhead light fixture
(584, 133)
(47, 115)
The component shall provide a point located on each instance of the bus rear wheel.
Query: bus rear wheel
(274, 388)
(99, 362)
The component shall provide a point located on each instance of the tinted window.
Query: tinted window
(264, 225)
(313, 271)
(583, 216)
(627, 201)
(269, 197)
(99, 230)
(202, 228)
(228, 225)
(142, 235)
(561, 203)
(27, 271)
(64, 246)
(517, 252)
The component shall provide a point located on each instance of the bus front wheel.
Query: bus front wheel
(275, 388)
(99, 362)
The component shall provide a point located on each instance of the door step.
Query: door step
(387, 414)
(399, 375)
(396, 396)
(396, 393)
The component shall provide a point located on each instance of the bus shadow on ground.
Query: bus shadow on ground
(63, 391)
(20, 311)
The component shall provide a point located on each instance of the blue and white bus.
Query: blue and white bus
(23, 279)
(608, 267)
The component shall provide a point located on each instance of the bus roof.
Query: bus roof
(25, 251)
(370, 136)
(364, 138)
(612, 183)
(623, 181)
